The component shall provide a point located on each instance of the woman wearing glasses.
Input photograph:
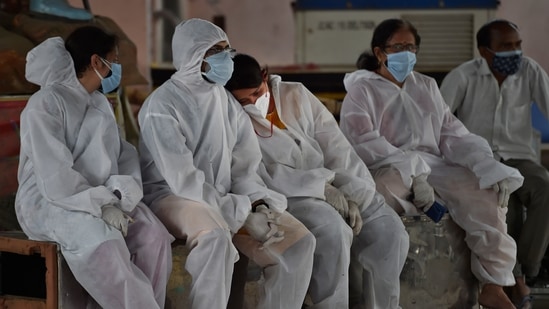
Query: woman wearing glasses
(329, 189)
(419, 152)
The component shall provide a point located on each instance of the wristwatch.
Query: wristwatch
(257, 203)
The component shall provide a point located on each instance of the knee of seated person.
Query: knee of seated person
(157, 233)
(538, 184)
(309, 240)
(337, 230)
(216, 237)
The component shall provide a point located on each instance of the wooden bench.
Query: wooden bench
(34, 275)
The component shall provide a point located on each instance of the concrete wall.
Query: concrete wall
(266, 28)
(262, 28)
(530, 16)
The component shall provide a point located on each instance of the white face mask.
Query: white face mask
(262, 103)
(260, 107)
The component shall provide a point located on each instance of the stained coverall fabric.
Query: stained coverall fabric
(502, 115)
(211, 257)
(404, 132)
(298, 161)
(198, 145)
(71, 160)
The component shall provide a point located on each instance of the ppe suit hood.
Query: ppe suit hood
(191, 40)
(50, 63)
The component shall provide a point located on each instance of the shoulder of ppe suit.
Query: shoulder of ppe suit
(47, 99)
(358, 76)
(162, 101)
(287, 86)
(236, 114)
(294, 93)
(422, 79)
(100, 101)
(362, 85)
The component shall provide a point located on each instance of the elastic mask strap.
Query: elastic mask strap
(100, 77)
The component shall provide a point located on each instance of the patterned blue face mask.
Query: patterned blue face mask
(221, 67)
(112, 81)
(507, 62)
(401, 64)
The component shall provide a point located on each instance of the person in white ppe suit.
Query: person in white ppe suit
(80, 183)
(492, 95)
(199, 161)
(420, 152)
(307, 158)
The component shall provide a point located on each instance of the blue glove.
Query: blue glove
(436, 211)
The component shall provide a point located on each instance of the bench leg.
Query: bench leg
(236, 298)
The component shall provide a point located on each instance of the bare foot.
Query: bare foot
(493, 297)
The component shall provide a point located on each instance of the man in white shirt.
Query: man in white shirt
(492, 95)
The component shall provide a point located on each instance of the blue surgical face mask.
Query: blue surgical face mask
(221, 67)
(112, 81)
(507, 62)
(401, 64)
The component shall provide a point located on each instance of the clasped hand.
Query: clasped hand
(263, 226)
(347, 209)
(502, 189)
(337, 199)
(116, 218)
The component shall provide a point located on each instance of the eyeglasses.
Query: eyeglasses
(218, 49)
(403, 47)
(109, 63)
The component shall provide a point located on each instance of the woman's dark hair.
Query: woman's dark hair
(484, 34)
(247, 73)
(85, 41)
(383, 33)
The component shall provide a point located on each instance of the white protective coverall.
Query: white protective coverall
(405, 132)
(298, 161)
(200, 160)
(72, 159)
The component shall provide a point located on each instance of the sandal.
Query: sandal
(525, 302)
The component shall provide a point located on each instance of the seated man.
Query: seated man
(306, 157)
(200, 160)
(492, 95)
(400, 126)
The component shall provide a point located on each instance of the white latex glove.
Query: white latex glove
(262, 225)
(424, 195)
(502, 189)
(355, 219)
(116, 218)
(337, 199)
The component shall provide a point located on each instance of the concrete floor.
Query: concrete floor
(541, 295)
